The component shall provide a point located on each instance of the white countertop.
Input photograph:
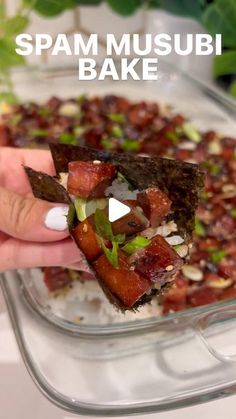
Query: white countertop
(19, 398)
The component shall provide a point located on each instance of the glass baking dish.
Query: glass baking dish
(144, 364)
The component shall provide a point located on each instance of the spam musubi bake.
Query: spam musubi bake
(136, 255)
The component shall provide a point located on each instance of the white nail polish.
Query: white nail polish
(56, 218)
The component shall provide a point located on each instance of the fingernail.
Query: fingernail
(56, 218)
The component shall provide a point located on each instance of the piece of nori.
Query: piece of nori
(47, 187)
(181, 181)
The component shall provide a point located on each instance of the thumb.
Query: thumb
(31, 219)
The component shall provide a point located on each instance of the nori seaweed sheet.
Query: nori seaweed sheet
(181, 181)
(47, 187)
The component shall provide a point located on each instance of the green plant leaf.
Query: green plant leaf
(50, 8)
(2, 10)
(88, 2)
(191, 8)
(232, 89)
(220, 17)
(124, 7)
(8, 57)
(225, 64)
(154, 4)
(14, 25)
(8, 97)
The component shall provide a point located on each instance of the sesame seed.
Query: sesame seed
(169, 268)
(85, 228)
(96, 162)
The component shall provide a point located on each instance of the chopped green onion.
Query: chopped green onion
(123, 179)
(233, 213)
(212, 167)
(205, 195)
(172, 136)
(85, 207)
(137, 243)
(116, 117)
(38, 133)
(191, 133)
(78, 131)
(117, 131)
(16, 119)
(177, 246)
(43, 111)
(107, 143)
(67, 138)
(199, 229)
(82, 98)
(217, 255)
(130, 145)
(104, 231)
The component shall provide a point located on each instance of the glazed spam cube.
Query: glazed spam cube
(89, 179)
(155, 204)
(124, 284)
(158, 261)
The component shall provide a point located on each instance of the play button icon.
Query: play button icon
(116, 209)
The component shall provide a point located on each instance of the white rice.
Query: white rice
(164, 230)
(174, 240)
(84, 303)
(120, 191)
(63, 179)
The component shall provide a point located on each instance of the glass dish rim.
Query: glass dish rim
(222, 100)
(210, 89)
(189, 316)
(103, 410)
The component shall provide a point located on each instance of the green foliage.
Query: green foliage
(8, 97)
(232, 89)
(88, 2)
(225, 63)
(8, 56)
(10, 27)
(217, 17)
(220, 17)
(188, 8)
(14, 25)
(125, 7)
(50, 8)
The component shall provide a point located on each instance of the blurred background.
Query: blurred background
(118, 17)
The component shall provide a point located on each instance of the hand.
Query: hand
(32, 232)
